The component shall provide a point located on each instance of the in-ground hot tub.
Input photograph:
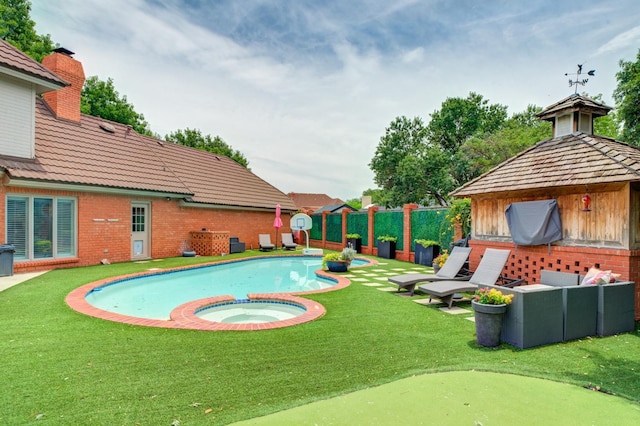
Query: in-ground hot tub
(251, 311)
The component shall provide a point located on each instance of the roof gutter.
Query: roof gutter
(24, 183)
(42, 84)
(185, 203)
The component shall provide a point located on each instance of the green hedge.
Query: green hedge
(316, 227)
(390, 222)
(426, 224)
(358, 223)
(334, 227)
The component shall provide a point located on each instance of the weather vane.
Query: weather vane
(577, 82)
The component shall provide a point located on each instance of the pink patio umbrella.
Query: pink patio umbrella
(277, 222)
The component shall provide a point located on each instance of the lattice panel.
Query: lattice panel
(210, 243)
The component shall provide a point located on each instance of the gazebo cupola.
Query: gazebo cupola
(573, 114)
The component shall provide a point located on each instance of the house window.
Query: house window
(41, 227)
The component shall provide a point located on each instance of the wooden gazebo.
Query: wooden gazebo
(596, 183)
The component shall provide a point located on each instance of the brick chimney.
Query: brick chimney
(65, 102)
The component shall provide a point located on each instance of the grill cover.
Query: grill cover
(534, 222)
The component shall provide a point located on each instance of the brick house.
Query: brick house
(77, 189)
(596, 183)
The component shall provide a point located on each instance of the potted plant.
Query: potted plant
(387, 246)
(355, 242)
(439, 261)
(338, 262)
(425, 252)
(489, 306)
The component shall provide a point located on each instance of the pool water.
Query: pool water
(155, 296)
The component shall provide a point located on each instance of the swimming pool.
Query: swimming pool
(163, 296)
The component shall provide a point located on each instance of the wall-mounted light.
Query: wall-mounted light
(168, 198)
(586, 202)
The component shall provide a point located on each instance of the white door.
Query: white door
(140, 230)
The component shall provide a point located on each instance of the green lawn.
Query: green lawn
(67, 368)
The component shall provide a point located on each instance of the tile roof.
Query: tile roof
(574, 159)
(86, 154)
(315, 201)
(12, 58)
(216, 179)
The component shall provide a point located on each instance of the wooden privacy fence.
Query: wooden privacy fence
(406, 224)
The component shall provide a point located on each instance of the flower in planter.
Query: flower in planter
(347, 255)
(440, 260)
(426, 243)
(487, 296)
(354, 236)
(385, 238)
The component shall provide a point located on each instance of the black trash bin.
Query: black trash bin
(6, 259)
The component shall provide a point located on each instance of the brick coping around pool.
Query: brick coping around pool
(184, 316)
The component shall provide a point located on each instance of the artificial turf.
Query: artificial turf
(68, 368)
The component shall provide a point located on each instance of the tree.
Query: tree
(627, 98)
(356, 203)
(101, 99)
(17, 28)
(408, 168)
(195, 139)
(518, 133)
(459, 119)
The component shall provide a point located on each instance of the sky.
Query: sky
(305, 89)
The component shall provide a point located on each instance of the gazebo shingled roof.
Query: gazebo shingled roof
(570, 160)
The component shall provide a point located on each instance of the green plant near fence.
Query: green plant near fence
(358, 223)
(316, 227)
(390, 223)
(334, 227)
(427, 224)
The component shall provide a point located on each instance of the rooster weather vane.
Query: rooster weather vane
(578, 82)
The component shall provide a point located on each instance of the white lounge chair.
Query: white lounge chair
(265, 242)
(449, 271)
(287, 242)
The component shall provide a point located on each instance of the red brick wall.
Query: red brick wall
(104, 227)
(527, 261)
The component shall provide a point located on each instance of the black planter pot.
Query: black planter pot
(355, 243)
(387, 249)
(425, 255)
(337, 265)
(488, 323)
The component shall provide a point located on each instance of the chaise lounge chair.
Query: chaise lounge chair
(287, 242)
(488, 273)
(265, 242)
(449, 271)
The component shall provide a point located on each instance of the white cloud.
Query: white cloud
(306, 91)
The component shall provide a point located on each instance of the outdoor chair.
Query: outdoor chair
(265, 242)
(449, 271)
(534, 316)
(287, 242)
(235, 245)
(579, 303)
(487, 273)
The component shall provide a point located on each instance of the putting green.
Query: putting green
(463, 398)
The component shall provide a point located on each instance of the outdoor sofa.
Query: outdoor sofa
(602, 309)
(560, 309)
